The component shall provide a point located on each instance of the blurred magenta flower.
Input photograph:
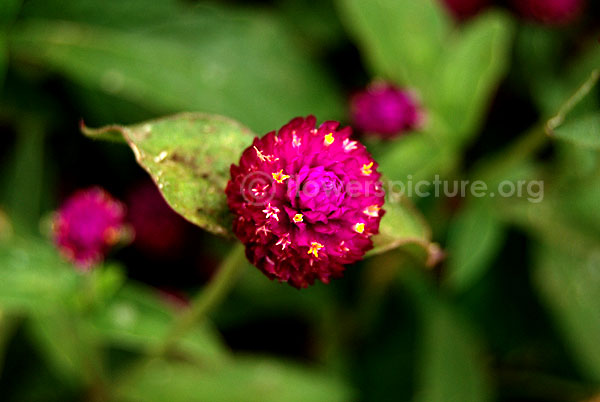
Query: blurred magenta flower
(385, 110)
(463, 9)
(552, 12)
(306, 201)
(159, 230)
(87, 225)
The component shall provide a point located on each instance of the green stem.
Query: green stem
(206, 300)
(210, 297)
(570, 104)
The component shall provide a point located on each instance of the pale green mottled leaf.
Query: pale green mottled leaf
(188, 156)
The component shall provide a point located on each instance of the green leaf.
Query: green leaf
(450, 361)
(583, 131)
(34, 277)
(6, 229)
(245, 379)
(171, 56)
(403, 225)
(3, 58)
(137, 319)
(451, 364)
(8, 12)
(471, 71)
(415, 157)
(58, 337)
(569, 284)
(402, 40)
(26, 178)
(188, 156)
(550, 92)
(578, 200)
(474, 239)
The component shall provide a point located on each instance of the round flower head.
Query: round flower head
(159, 230)
(552, 12)
(385, 110)
(463, 9)
(87, 225)
(306, 201)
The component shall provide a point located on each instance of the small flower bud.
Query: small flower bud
(87, 225)
(385, 110)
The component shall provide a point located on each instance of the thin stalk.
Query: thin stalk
(210, 297)
(204, 302)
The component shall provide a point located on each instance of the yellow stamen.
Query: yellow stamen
(359, 227)
(314, 248)
(298, 218)
(263, 157)
(366, 169)
(372, 211)
(259, 153)
(280, 177)
(329, 139)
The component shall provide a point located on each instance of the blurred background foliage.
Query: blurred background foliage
(511, 314)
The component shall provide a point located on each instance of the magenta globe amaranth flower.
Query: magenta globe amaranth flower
(463, 9)
(306, 201)
(552, 12)
(87, 225)
(385, 110)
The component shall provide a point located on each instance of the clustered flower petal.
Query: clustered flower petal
(87, 225)
(463, 9)
(306, 201)
(552, 12)
(385, 109)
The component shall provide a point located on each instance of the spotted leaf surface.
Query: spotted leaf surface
(188, 156)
